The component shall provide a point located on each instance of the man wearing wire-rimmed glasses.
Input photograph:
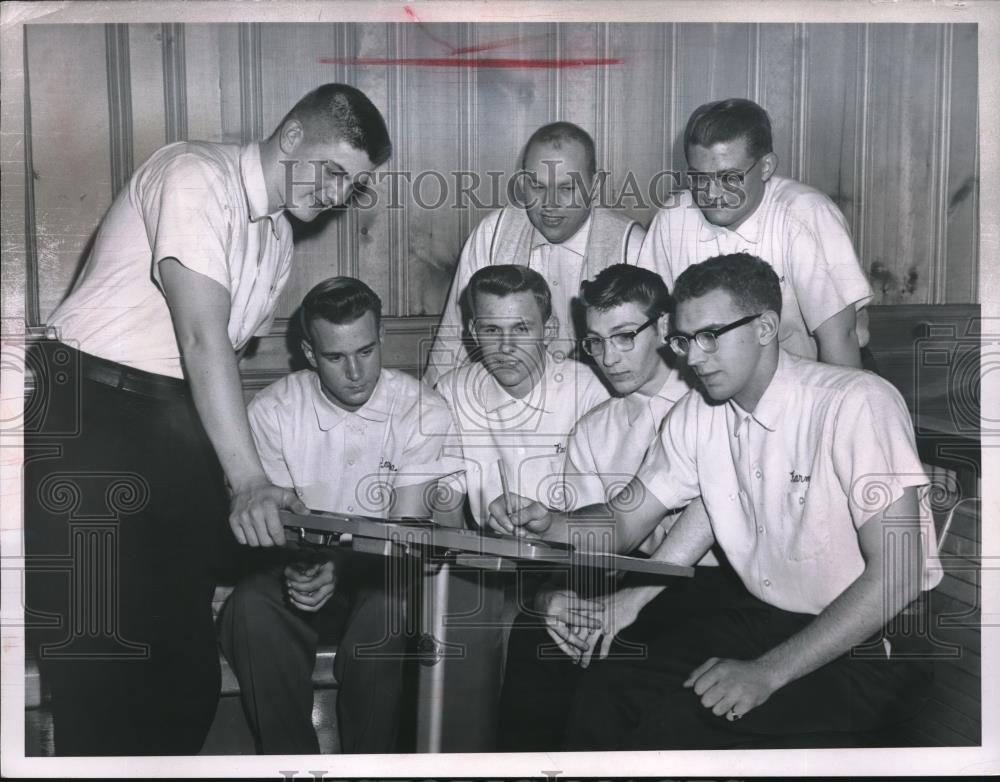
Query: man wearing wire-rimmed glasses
(736, 202)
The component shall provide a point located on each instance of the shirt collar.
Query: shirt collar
(774, 400)
(750, 230)
(252, 174)
(497, 398)
(659, 404)
(329, 415)
(577, 243)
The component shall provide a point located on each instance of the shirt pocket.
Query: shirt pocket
(806, 534)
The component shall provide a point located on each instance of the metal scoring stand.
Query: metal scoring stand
(463, 617)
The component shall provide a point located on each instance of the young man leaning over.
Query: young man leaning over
(348, 436)
(814, 492)
(739, 204)
(626, 319)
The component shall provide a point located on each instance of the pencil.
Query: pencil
(506, 487)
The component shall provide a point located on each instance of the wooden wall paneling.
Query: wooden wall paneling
(398, 192)
(175, 81)
(775, 89)
(251, 79)
(579, 88)
(204, 84)
(859, 171)
(638, 108)
(903, 132)
(941, 143)
(374, 251)
(116, 45)
(961, 251)
(433, 103)
(71, 154)
(18, 296)
(468, 136)
(514, 102)
(229, 63)
(146, 60)
(712, 65)
(829, 112)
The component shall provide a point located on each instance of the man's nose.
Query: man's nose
(695, 355)
(353, 368)
(715, 189)
(507, 343)
(610, 356)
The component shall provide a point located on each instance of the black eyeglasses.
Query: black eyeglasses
(623, 340)
(699, 179)
(707, 339)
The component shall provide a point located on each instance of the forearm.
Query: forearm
(841, 349)
(859, 612)
(837, 339)
(211, 368)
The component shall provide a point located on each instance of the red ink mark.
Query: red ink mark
(453, 50)
(481, 62)
(494, 45)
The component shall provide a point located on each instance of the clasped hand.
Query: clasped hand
(310, 584)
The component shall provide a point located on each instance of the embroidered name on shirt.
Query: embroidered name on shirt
(385, 464)
(560, 448)
(797, 478)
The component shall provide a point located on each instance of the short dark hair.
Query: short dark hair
(505, 279)
(343, 112)
(339, 300)
(557, 134)
(624, 284)
(750, 281)
(728, 120)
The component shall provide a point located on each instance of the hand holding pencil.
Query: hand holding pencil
(512, 514)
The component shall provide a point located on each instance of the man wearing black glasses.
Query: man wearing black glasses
(815, 494)
(737, 203)
(626, 321)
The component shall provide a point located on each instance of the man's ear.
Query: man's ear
(472, 330)
(663, 327)
(291, 136)
(768, 165)
(768, 327)
(381, 331)
(307, 350)
(551, 329)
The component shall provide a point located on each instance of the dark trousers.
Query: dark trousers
(125, 510)
(272, 648)
(540, 682)
(641, 704)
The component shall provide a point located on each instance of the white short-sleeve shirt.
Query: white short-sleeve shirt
(343, 461)
(204, 204)
(528, 435)
(561, 265)
(798, 230)
(608, 446)
(788, 486)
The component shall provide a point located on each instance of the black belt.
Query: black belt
(129, 379)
